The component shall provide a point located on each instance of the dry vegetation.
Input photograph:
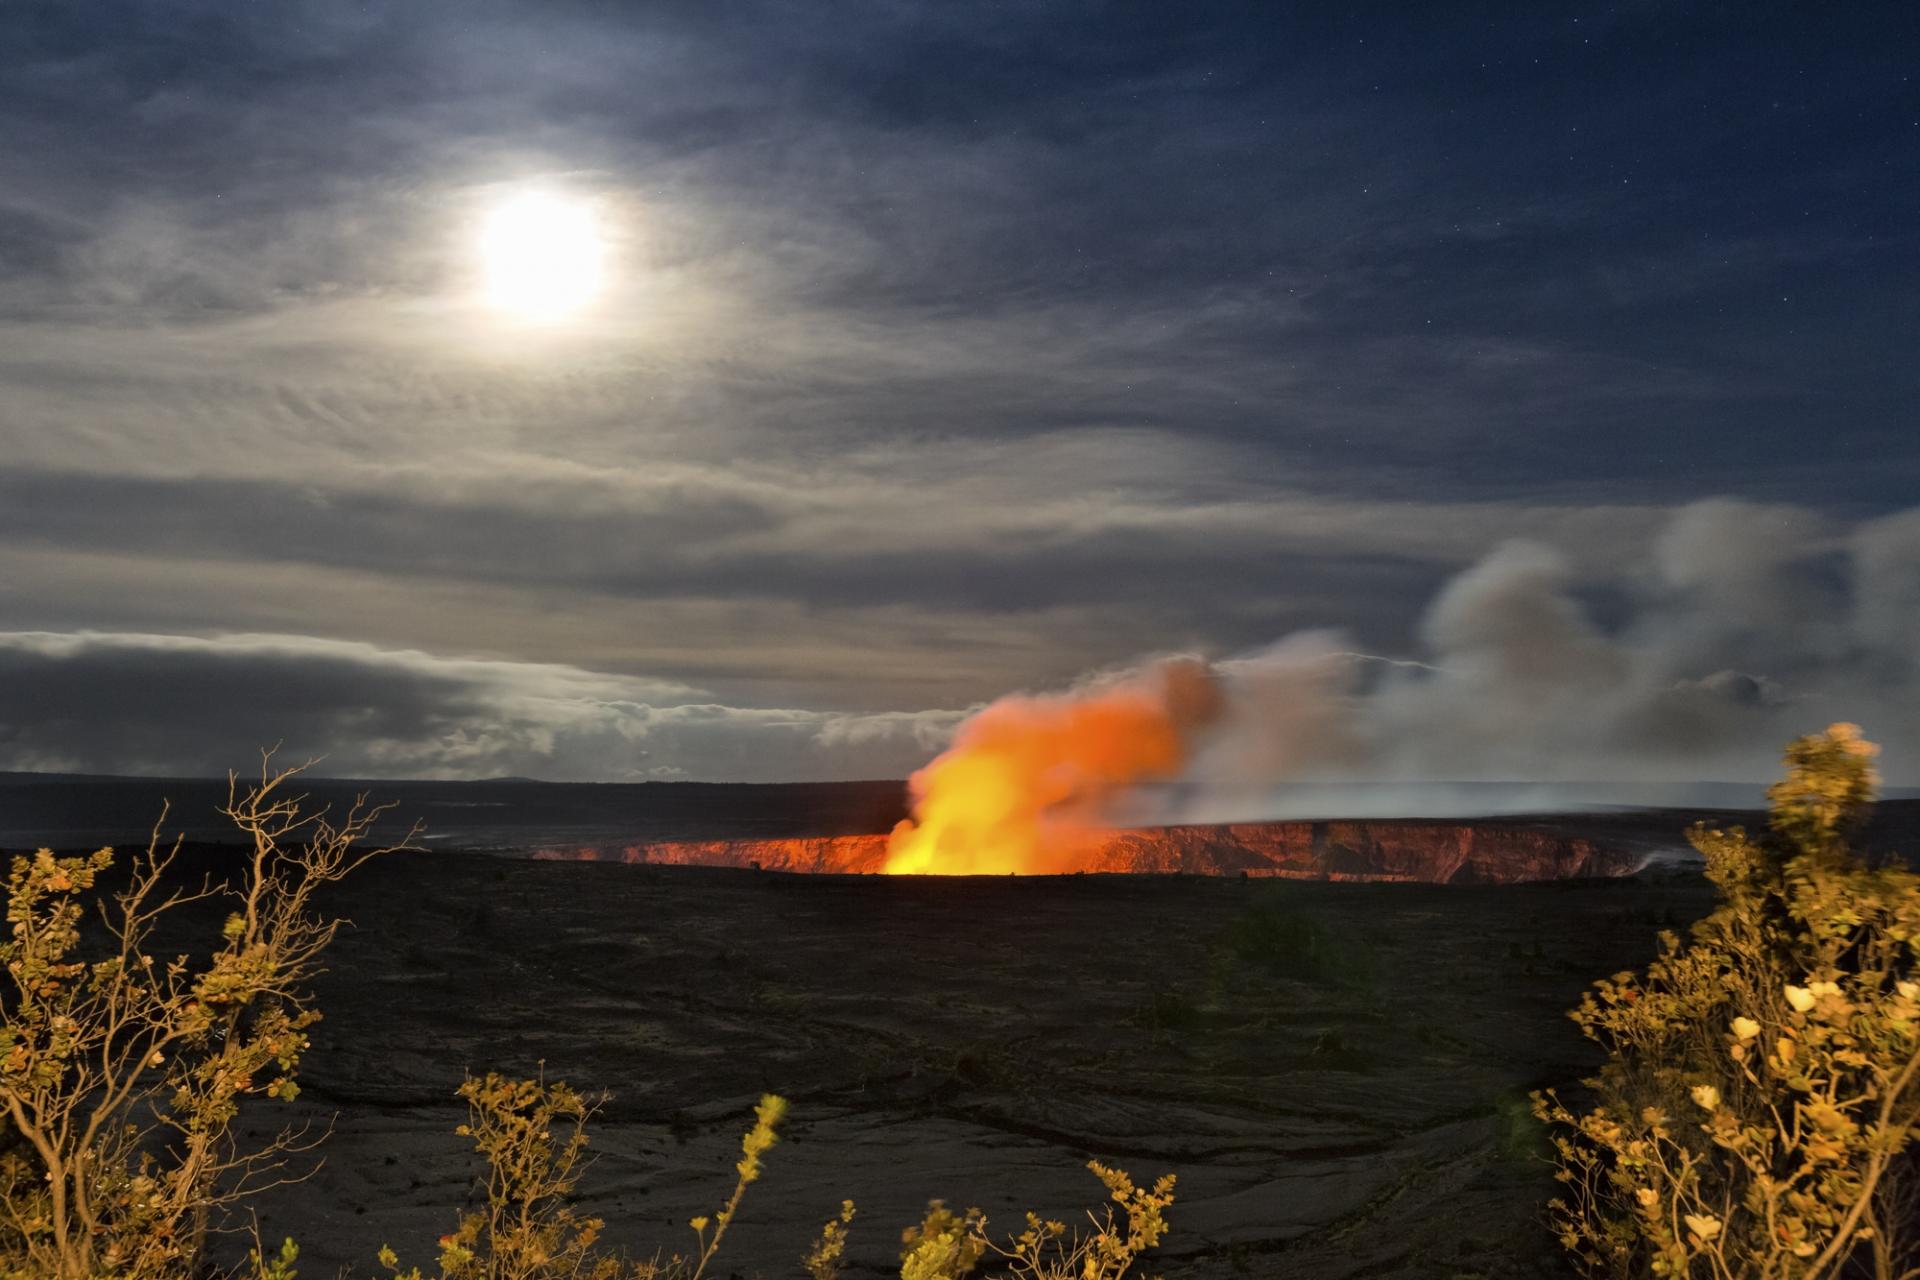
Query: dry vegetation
(122, 1073)
(1756, 1114)
(528, 1229)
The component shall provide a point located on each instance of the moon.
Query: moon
(543, 256)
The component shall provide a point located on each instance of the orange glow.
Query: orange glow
(1024, 786)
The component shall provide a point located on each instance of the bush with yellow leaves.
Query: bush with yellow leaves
(827, 1257)
(122, 1074)
(950, 1246)
(1757, 1113)
(529, 1229)
(532, 1136)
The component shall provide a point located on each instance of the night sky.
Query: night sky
(1562, 355)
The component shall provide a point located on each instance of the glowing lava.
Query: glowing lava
(1025, 784)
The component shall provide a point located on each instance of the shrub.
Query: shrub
(825, 1260)
(529, 1229)
(1756, 1113)
(950, 1246)
(262, 1265)
(122, 1074)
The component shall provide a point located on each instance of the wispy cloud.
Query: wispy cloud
(948, 351)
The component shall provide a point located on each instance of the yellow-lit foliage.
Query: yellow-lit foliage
(528, 1229)
(1756, 1114)
(757, 1142)
(950, 1246)
(122, 1074)
(826, 1258)
(282, 1265)
(944, 1245)
(533, 1138)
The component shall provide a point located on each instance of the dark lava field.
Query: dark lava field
(1337, 1073)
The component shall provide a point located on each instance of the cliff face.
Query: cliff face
(844, 855)
(1429, 852)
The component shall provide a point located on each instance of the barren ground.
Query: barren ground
(1337, 1073)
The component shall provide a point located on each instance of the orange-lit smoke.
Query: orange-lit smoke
(1025, 784)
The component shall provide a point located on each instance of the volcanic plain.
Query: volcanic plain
(1336, 1072)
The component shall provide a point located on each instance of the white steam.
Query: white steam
(1752, 624)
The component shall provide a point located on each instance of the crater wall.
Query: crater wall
(1419, 852)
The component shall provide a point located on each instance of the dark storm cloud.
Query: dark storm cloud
(166, 705)
(951, 348)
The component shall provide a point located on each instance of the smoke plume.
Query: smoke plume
(1027, 778)
(1751, 625)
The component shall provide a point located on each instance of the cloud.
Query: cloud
(823, 253)
(1153, 544)
(1886, 559)
(1510, 677)
(156, 704)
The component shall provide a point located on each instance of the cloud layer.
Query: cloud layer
(950, 351)
(151, 704)
(1752, 624)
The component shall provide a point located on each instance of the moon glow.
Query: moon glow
(543, 256)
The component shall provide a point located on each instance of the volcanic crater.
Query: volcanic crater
(1487, 852)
